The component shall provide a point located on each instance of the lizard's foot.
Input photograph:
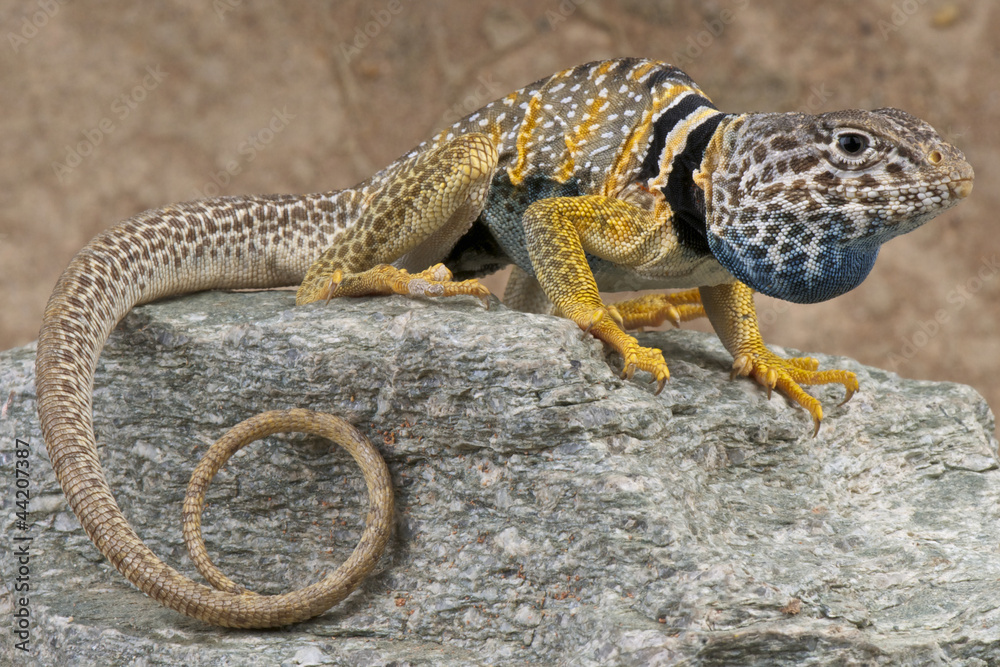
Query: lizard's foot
(384, 280)
(785, 375)
(652, 310)
(731, 310)
(605, 323)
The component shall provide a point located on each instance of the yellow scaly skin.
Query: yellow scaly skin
(611, 176)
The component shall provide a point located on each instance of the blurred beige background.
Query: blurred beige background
(111, 108)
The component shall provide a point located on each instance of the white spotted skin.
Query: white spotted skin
(589, 123)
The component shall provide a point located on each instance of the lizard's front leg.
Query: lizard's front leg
(559, 232)
(412, 218)
(731, 311)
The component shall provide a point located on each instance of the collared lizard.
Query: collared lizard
(612, 175)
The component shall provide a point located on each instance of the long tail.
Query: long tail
(237, 242)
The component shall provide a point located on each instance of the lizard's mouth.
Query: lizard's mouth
(960, 185)
(961, 189)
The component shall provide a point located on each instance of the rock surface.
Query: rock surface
(547, 510)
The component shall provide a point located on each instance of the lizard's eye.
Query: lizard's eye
(852, 143)
(853, 149)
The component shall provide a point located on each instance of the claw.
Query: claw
(332, 284)
(742, 365)
(616, 316)
(595, 318)
(850, 389)
(771, 380)
(673, 316)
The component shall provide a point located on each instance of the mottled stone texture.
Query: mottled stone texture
(547, 510)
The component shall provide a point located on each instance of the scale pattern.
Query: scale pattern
(614, 175)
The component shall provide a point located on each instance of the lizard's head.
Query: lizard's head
(798, 205)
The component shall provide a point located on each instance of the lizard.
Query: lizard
(613, 175)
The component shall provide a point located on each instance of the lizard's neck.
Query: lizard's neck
(681, 135)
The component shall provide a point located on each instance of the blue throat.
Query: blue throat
(797, 272)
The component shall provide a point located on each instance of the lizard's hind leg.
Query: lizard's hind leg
(524, 293)
(413, 214)
(652, 310)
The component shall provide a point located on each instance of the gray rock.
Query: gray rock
(548, 511)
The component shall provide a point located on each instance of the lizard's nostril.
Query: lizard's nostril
(934, 157)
